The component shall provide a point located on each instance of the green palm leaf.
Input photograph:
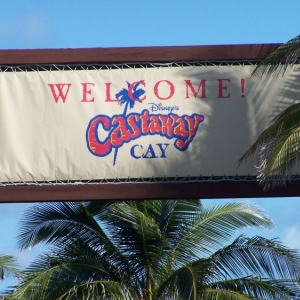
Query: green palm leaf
(181, 285)
(277, 61)
(256, 255)
(278, 147)
(213, 227)
(54, 222)
(67, 273)
(253, 288)
(215, 294)
(8, 266)
(64, 224)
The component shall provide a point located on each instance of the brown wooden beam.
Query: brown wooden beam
(122, 191)
(136, 54)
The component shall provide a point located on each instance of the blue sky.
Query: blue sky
(95, 23)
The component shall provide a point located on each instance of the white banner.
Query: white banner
(155, 122)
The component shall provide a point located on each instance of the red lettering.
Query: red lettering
(145, 122)
(122, 130)
(120, 134)
(193, 123)
(132, 87)
(195, 93)
(222, 88)
(172, 89)
(85, 91)
(108, 97)
(154, 126)
(180, 129)
(59, 91)
(97, 147)
(132, 120)
(167, 125)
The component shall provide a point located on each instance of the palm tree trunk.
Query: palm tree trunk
(116, 149)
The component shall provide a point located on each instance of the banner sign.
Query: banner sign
(134, 122)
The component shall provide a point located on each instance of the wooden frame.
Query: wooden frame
(136, 54)
(118, 191)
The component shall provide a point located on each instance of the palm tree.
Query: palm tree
(152, 250)
(8, 268)
(278, 147)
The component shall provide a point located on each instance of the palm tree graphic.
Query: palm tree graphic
(129, 97)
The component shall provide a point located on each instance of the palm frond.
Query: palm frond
(47, 288)
(9, 267)
(69, 272)
(278, 60)
(259, 256)
(278, 148)
(96, 290)
(254, 287)
(181, 285)
(138, 237)
(173, 216)
(214, 226)
(64, 224)
(215, 294)
(52, 222)
(98, 209)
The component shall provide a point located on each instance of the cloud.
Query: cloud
(31, 29)
(291, 237)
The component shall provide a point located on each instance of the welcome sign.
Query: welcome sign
(134, 122)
